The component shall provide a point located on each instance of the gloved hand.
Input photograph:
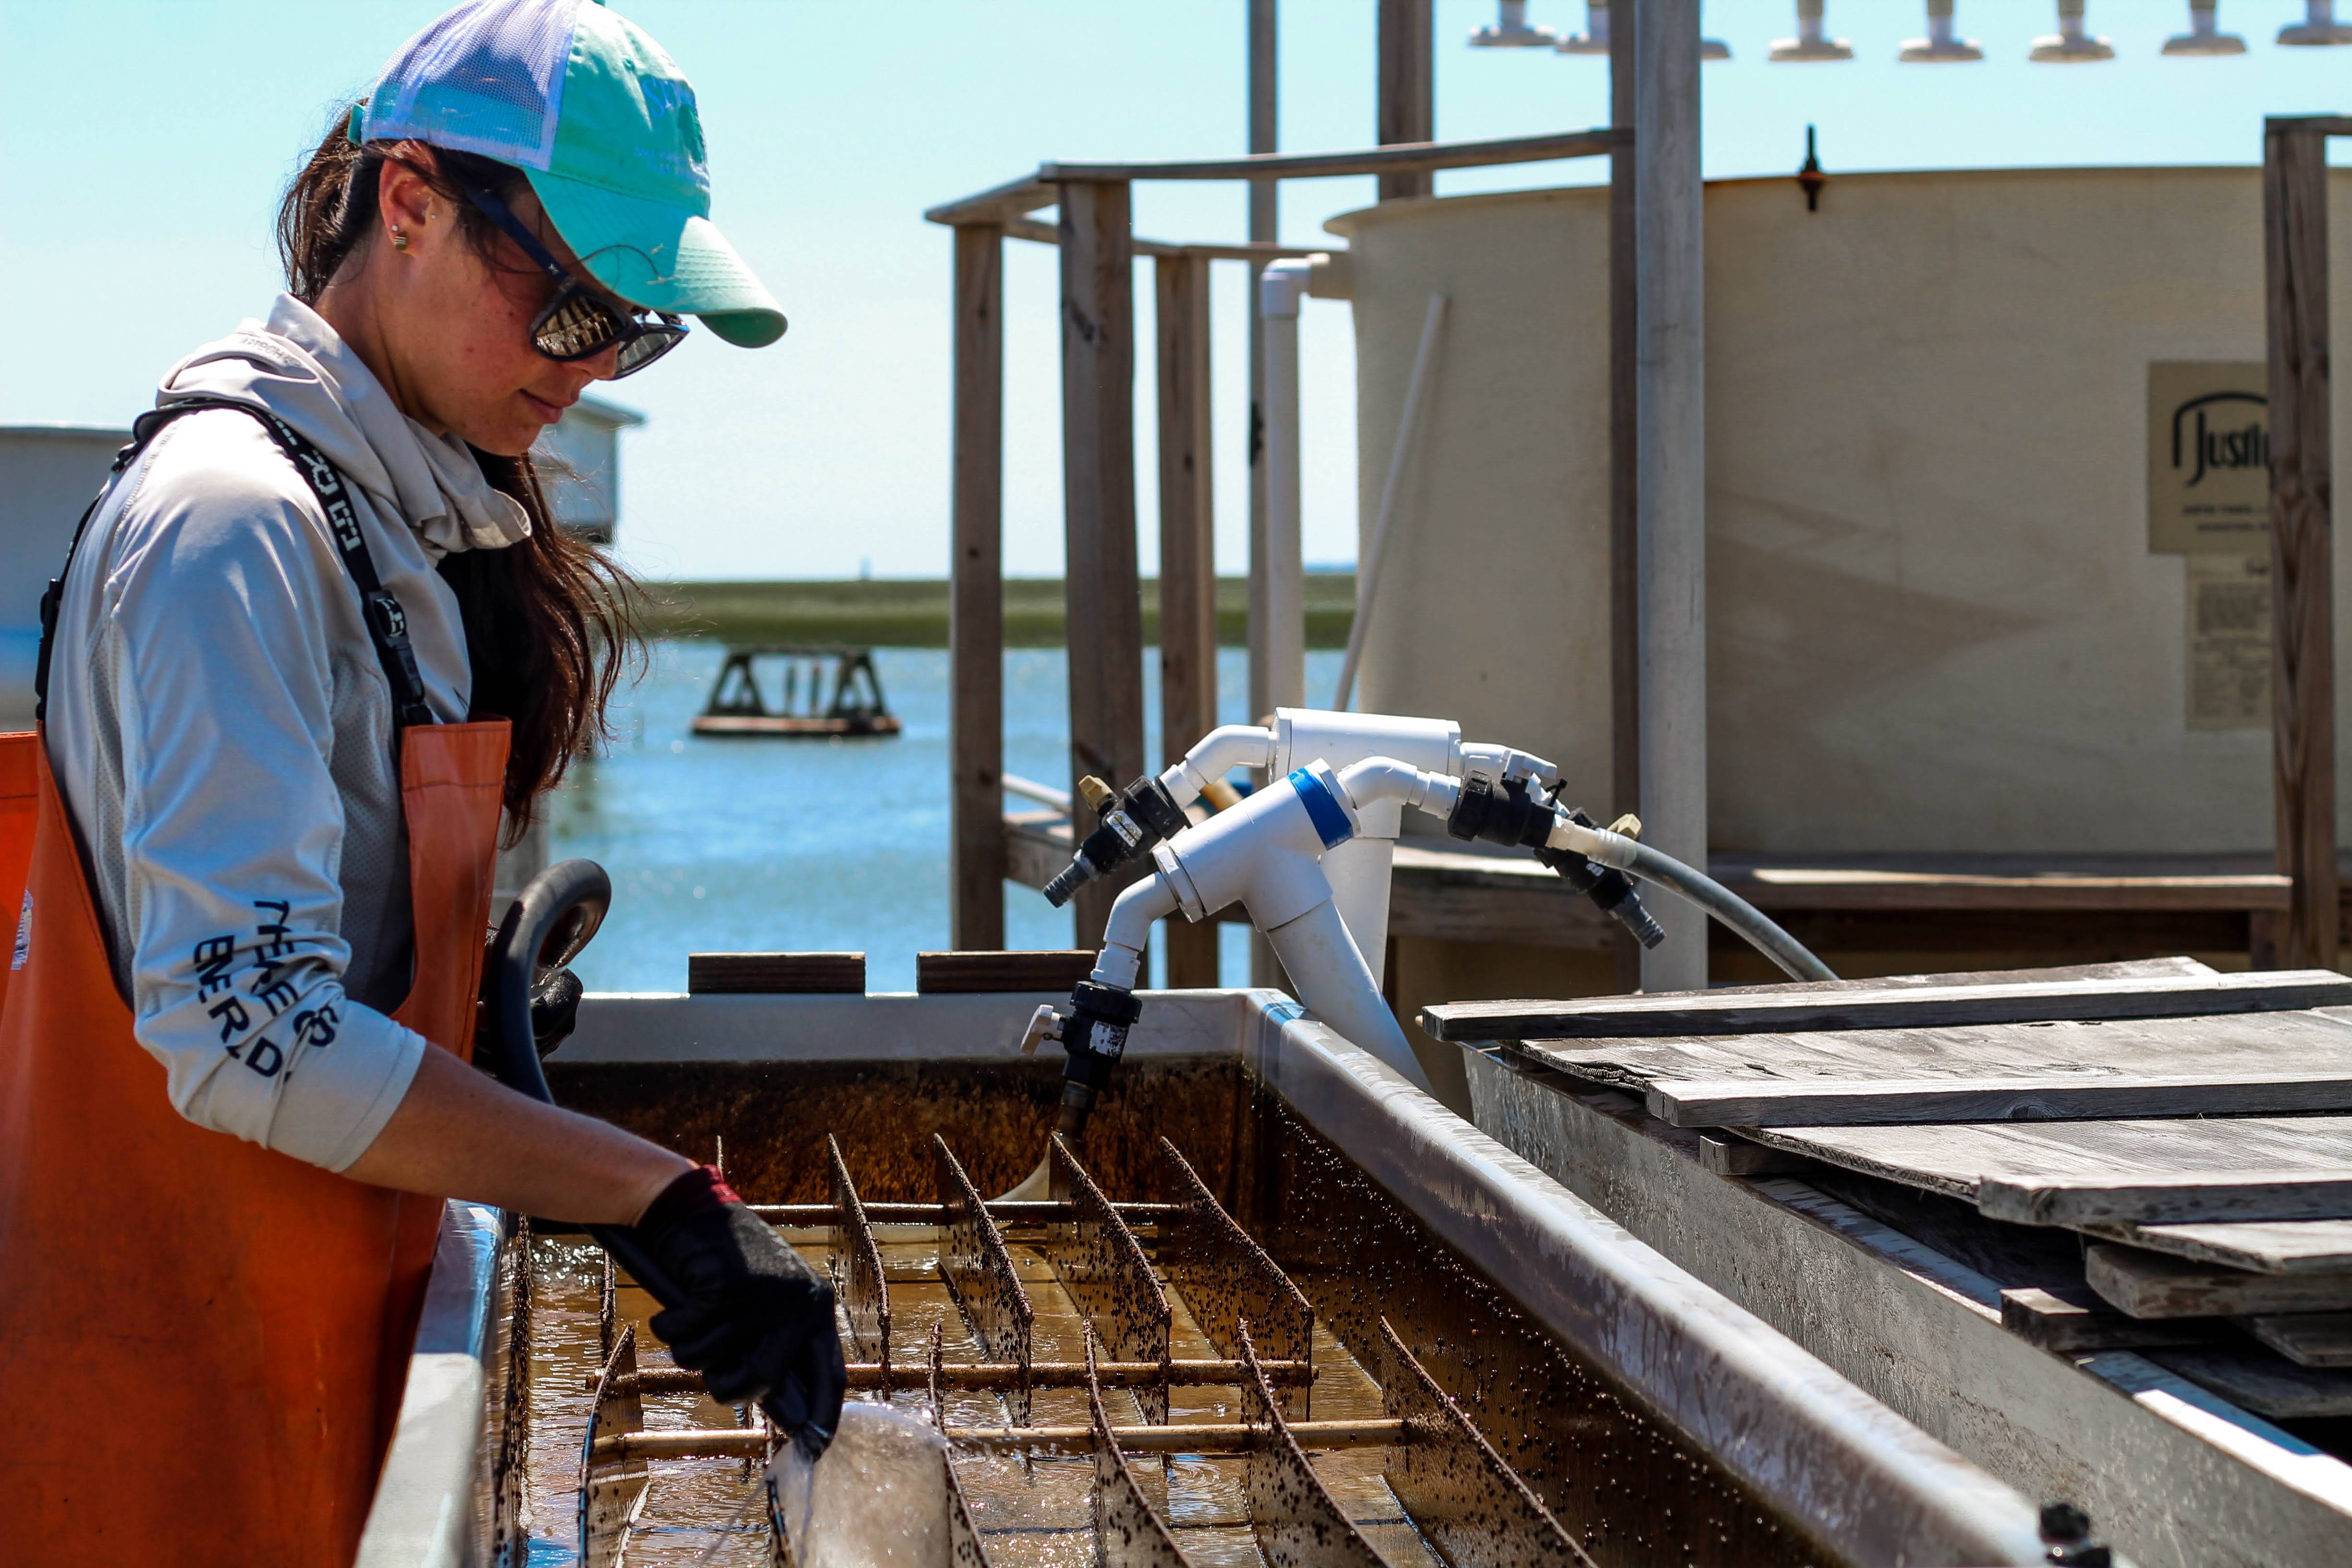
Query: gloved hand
(757, 1320)
(554, 1008)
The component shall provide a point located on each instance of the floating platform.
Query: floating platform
(800, 674)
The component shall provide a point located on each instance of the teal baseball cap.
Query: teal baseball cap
(603, 125)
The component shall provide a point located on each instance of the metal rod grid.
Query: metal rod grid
(1468, 1504)
(1294, 1516)
(613, 1481)
(1464, 1498)
(1226, 1278)
(857, 1264)
(1128, 1532)
(980, 1276)
(1102, 1267)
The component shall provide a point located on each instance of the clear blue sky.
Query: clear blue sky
(143, 143)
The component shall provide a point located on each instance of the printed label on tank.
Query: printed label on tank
(2229, 642)
(2208, 457)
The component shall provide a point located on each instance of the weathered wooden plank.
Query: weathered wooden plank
(1749, 1102)
(1100, 585)
(1394, 160)
(1188, 570)
(2303, 618)
(1739, 1157)
(2162, 1197)
(2309, 1042)
(2148, 1284)
(976, 605)
(1954, 1158)
(2307, 1339)
(2257, 1380)
(774, 974)
(2071, 1321)
(2264, 1247)
(1046, 969)
(1733, 1013)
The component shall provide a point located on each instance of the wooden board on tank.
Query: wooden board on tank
(2144, 1171)
(2149, 1284)
(2307, 1339)
(2059, 1069)
(2262, 1246)
(1847, 1006)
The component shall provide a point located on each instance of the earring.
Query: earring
(399, 240)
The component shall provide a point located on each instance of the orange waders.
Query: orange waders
(203, 1342)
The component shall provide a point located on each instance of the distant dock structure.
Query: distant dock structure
(828, 690)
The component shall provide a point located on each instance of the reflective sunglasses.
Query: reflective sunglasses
(576, 324)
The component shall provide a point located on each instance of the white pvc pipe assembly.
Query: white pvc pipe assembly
(1279, 291)
(1359, 869)
(1267, 856)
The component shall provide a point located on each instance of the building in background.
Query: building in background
(47, 475)
(579, 464)
(49, 472)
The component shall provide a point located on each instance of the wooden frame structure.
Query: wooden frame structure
(2287, 914)
(1101, 580)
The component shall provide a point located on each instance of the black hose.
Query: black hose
(545, 928)
(1795, 959)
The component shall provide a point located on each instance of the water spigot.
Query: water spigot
(1134, 821)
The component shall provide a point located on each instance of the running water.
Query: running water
(878, 1499)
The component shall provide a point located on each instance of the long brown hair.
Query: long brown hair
(548, 621)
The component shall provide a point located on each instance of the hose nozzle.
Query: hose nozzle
(1133, 821)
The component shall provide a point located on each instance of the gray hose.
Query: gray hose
(1795, 959)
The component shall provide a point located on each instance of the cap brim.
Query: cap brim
(662, 257)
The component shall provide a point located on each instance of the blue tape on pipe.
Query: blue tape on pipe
(1329, 817)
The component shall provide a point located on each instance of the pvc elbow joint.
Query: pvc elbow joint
(1378, 779)
(1283, 285)
(1223, 749)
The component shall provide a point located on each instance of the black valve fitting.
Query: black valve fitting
(1521, 818)
(1142, 815)
(1095, 1035)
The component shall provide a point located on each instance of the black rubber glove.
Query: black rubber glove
(757, 1320)
(554, 1009)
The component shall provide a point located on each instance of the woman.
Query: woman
(315, 633)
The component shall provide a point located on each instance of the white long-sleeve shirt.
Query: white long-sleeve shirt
(221, 731)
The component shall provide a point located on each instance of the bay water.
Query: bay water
(767, 844)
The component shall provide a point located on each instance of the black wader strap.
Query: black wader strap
(387, 626)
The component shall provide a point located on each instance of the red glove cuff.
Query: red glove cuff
(694, 1191)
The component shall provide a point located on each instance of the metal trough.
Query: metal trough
(1661, 1390)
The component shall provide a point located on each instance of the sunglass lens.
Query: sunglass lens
(646, 344)
(577, 327)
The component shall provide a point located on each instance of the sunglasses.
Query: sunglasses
(576, 324)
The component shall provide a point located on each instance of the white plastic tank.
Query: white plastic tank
(1939, 618)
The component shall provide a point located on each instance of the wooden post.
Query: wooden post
(1104, 599)
(1624, 457)
(1671, 495)
(1188, 568)
(1407, 110)
(2303, 666)
(976, 609)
